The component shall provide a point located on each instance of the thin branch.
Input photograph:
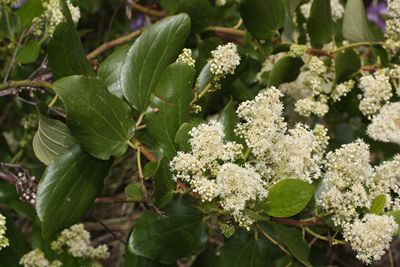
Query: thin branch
(312, 221)
(26, 83)
(146, 10)
(111, 44)
(227, 30)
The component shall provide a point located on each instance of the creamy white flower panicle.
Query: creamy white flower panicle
(36, 258)
(392, 32)
(76, 241)
(52, 17)
(370, 237)
(342, 90)
(225, 59)
(4, 242)
(385, 126)
(310, 105)
(386, 181)
(346, 182)
(263, 124)
(186, 57)
(376, 90)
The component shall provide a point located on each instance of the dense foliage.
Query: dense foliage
(199, 133)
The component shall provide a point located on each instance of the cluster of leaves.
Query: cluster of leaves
(140, 98)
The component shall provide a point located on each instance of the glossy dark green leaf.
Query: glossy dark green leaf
(147, 59)
(291, 238)
(51, 139)
(132, 260)
(285, 70)
(68, 187)
(163, 184)
(30, 10)
(378, 204)
(228, 118)
(201, 12)
(355, 23)
(165, 240)
(347, 64)
(263, 18)
(110, 69)
(99, 120)
(205, 76)
(65, 51)
(182, 136)
(170, 106)
(134, 192)
(150, 169)
(288, 197)
(28, 53)
(244, 250)
(320, 24)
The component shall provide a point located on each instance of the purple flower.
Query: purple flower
(139, 21)
(375, 13)
(19, 4)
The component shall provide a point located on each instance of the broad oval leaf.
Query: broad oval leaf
(170, 106)
(263, 18)
(347, 64)
(28, 53)
(201, 12)
(378, 204)
(65, 51)
(68, 187)
(147, 59)
(229, 119)
(51, 139)
(285, 70)
(244, 250)
(288, 197)
(99, 120)
(355, 23)
(320, 24)
(165, 240)
(110, 70)
(132, 260)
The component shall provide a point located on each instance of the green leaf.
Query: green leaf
(30, 10)
(110, 69)
(285, 70)
(228, 118)
(132, 260)
(51, 139)
(165, 240)
(347, 64)
(99, 120)
(288, 197)
(291, 238)
(28, 53)
(147, 59)
(150, 169)
(201, 12)
(67, 189)
(396, 216)
(134, 192)
(163, 184)
(244, 250)
(170, 106)
(320, 24)
(378, 204)
(65, 51)
(355, 23)
(182, 136)
(263, 18)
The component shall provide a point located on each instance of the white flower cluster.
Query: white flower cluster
(76, 241)
(392, 32)
(337, 10)
(219, 170)
(376, 90)
(385, 126)
(220, 2)
(36, 258)
(370, 237)
(310, 105)
(225, 59)
(346, 181)
(386, 181)
(186, 57)
(52, 17)
(342, 90)
(3, 239)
